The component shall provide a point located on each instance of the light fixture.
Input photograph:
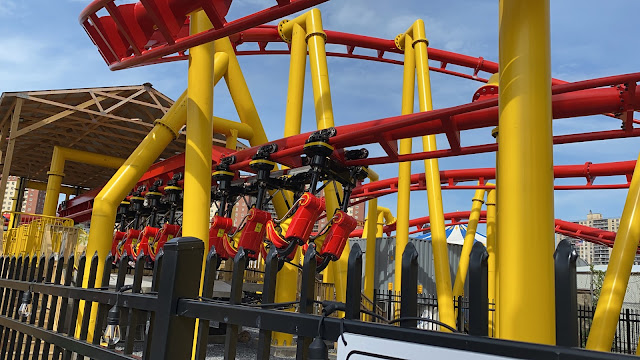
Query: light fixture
(318, 349)
(111, 334)
(25, 308)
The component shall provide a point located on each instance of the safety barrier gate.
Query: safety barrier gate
(36, 234)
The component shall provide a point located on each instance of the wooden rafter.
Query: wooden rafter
(101, 120)
(87, 111)
(163, 96)
(77, 91)
(93, 96)
(155, 99)
(93, 119)
(56, 117)
(125, 100)
(130, 99)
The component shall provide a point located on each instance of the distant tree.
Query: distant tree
(597, 279)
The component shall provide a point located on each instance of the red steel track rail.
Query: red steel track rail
(451, 178)
(141, 33)
(614, 94)
(573, 230)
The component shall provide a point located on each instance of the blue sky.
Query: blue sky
(43, 47)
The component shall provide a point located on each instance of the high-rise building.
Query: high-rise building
(596, 254)
(33, 200)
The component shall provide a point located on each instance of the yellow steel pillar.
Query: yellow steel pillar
(492, 249)
(56, 171)
(525, 176)
(197, 173)
(199, 141)
(370, 233)
(384, 218)
(469, 238)
(616, 279)
(54, 182)
(432, 177)
(106, 202)
(404, 168)
(311, 22)
(244, 104)
(108, 199)
(288, 275)
(295, 94)
(231, 141)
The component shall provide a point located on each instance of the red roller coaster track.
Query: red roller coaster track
(150, 31)
(573, 230)
(614, 94)
(451, 179)
(156, 31)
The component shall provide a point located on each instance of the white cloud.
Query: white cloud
(7, 7)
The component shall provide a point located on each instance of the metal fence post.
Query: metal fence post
(565, 258)
(354, 284)
(457, 302)
(478, 291)
(628, 330)
(180, 278)
(133, 316)
(237, 278)
(207, 291)
(409, 287)
(155, 284)
(307, 296)
(268, 297)
(390, 314)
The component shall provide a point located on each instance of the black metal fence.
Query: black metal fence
(627, 332)
(428, 307)
(164, 315)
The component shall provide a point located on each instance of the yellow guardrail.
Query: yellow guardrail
(36, 234)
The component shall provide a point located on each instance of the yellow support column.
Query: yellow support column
(197, 174)
(492, 249)
(292, 125)
(315, 36)
(370, 233)
(295, 94)
(616, 279)
(244, 104)
(106, 202)
(432, 177)
(525, 176)
(56, 172)
(231, 141)
(404, 168)
(199, 142)
(108, 199)
(469, 238)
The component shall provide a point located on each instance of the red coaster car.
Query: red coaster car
(335, 240)
(218, 231)
(117, 238)
(252, 235)
(309, 209)
(142, 246)
(165, 234)
(125, 244)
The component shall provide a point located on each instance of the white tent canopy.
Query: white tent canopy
(455, 235)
